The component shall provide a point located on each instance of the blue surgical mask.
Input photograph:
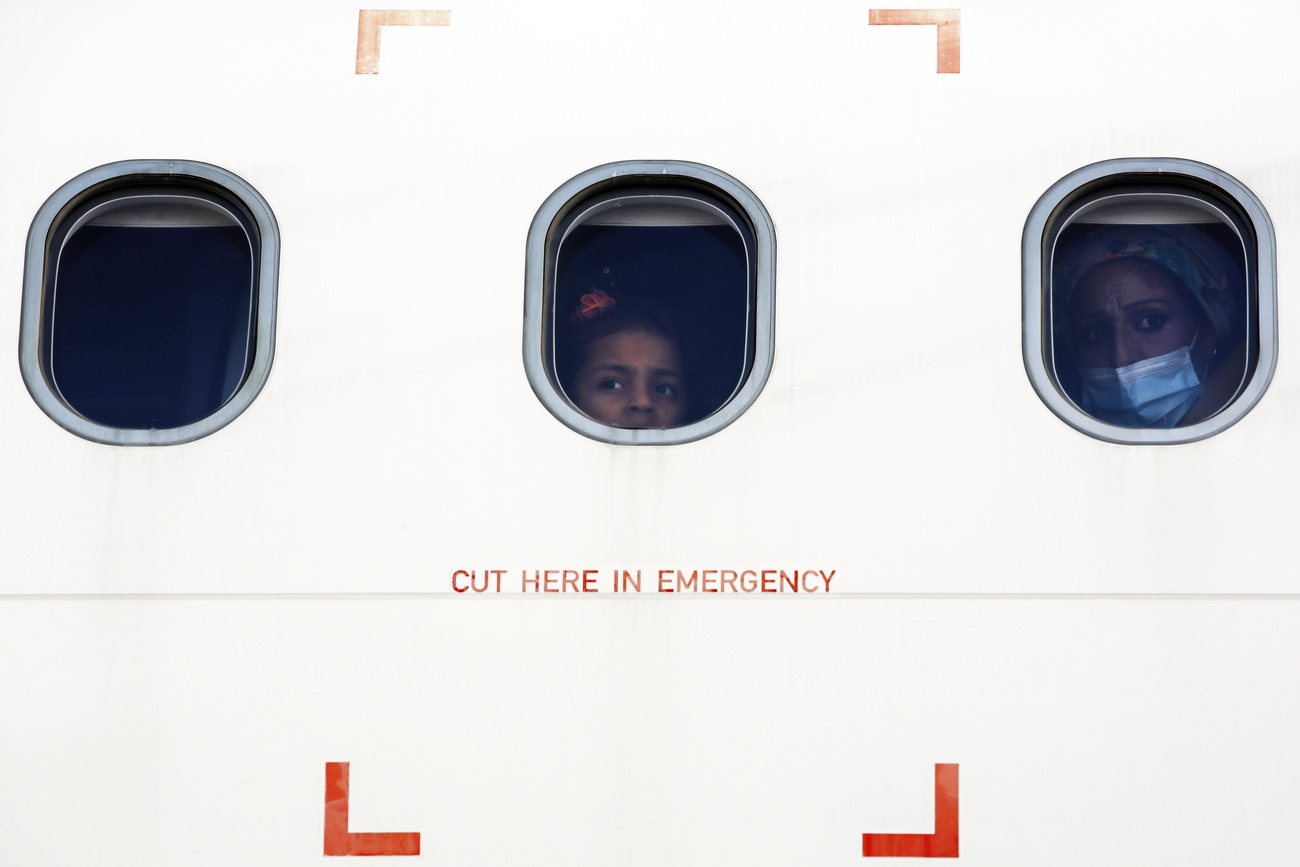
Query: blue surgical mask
(1154, 392)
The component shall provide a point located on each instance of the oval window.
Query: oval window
(1149, 300)
(649, 302)
(149, 302)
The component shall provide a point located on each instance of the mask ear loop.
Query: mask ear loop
(1191, 352)
(1204, 376)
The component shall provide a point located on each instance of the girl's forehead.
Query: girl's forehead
(634, 344)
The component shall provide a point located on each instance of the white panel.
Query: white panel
(648, 732)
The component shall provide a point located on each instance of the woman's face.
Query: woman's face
(632, 379)
(1128, 310)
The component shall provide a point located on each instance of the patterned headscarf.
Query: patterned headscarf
(1203, 266)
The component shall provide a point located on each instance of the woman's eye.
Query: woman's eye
(1092, 334)
(1152, 322)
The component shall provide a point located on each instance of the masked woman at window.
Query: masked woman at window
(1148, 325)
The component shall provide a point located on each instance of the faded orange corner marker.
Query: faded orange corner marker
(370, 20)
(949, 26)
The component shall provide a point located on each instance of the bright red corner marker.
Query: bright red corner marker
(941, 844)
(340, 841)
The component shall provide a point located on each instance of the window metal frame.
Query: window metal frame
(48, 229)
(640, 177)
(1060, 202)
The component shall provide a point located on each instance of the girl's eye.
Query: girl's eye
(1152, 322)
(609, 385)
(665, 389)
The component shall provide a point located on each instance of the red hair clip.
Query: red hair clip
(592, 304)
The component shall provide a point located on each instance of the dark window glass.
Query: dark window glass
(1153, 308)
(673, 269)
(151, 313)
(148, 314)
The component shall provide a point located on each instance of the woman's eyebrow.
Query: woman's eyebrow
(1101, 311)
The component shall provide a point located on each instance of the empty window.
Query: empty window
(1149, 300)
(149, 302)
(648, 316)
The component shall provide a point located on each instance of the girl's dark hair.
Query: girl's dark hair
(574, 337)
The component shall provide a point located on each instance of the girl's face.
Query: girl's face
(632, 379)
